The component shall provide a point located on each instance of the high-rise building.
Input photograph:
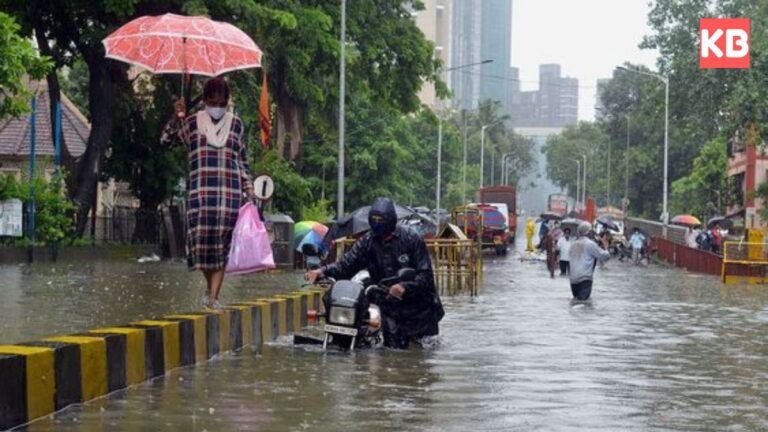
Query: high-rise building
(495, 43)
(435, 22)
(554, 104)
(599, 106)
(465, 50)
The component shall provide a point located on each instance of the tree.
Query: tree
(20, 60)
(703, 192)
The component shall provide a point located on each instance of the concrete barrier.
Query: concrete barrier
(38, 378)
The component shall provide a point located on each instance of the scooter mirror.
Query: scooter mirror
(406, 274)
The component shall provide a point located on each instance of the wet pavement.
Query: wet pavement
(657, 349)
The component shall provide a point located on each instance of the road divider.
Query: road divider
(38, 378)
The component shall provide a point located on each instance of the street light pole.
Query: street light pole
(608, 192)
(439, 169)
(503, 174)
(440, 140)
(584, 184)
(578, 179)
(464, 175)
(342, 94)
(626, 166)
(482, 149)
(665, 80)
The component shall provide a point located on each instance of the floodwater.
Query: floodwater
(45, 299)
(656, 349)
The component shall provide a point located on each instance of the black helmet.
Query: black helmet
(382, 218)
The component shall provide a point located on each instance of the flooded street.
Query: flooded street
(657, 349)
(47, 299)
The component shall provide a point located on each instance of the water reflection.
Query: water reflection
(656, 350)
(44, 299)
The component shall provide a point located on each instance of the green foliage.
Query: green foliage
(19, 60)
(704, 191)
(53, 211)
(319, 211)
(292, 191)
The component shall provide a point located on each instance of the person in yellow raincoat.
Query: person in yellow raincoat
(530, 228)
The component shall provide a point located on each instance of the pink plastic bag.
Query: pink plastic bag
(250, 250)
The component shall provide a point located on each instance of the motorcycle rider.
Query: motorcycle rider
(415, 309)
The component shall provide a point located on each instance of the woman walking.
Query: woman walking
(218, 177)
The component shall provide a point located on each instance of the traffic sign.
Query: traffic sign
(263, 187)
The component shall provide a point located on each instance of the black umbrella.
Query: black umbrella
(607, 221)
(570, 223)
(357, 222)
(551, 216)
(720, 220)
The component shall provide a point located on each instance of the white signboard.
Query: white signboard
(263, 187)
(11, 216)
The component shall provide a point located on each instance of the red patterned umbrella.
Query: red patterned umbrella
(183, 44)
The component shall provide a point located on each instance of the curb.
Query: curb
(41, 377)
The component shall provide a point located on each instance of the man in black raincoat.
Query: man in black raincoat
(384, 250)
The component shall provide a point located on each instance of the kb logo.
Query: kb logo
(724, 43)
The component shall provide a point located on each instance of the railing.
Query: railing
(457, 264)
(694, 260)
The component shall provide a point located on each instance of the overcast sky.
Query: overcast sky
(588, 38)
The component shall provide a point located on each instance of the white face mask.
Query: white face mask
(215, 112)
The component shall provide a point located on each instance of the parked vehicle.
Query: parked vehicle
(486, 223)
(506, 195)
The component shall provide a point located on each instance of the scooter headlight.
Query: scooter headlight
(342, 316)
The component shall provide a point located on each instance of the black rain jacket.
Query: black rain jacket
(418, 313)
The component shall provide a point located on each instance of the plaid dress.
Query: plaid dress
(218, 176)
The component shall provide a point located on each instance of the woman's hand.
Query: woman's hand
(180, 108)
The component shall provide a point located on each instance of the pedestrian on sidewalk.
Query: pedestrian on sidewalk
(637, 240)
(218, 183)
(584, 255)
(563, 250)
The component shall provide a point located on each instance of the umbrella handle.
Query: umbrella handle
(183, 63)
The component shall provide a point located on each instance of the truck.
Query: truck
(506, 195)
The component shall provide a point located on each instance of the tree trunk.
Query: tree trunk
(104, 74)
(54, 97)
(147, 223)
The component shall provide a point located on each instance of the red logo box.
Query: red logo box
(724, 43)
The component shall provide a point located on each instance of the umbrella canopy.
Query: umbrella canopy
(301, 229)
(311, 237)
(723, 221)
(571, 224)
(607, 221)
(357, 222)
(183, 44)
(686, 220)
(551, 216)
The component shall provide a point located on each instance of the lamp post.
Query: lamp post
(482, 148)
(503, 174)
(342, 94)
(578, 178)
(464, 115)
(584, 184)
(626, 167)
(438, 188)
(665, 80)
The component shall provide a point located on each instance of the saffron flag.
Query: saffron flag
(264, 121)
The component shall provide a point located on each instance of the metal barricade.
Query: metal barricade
(745, 262)
(456, 263)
